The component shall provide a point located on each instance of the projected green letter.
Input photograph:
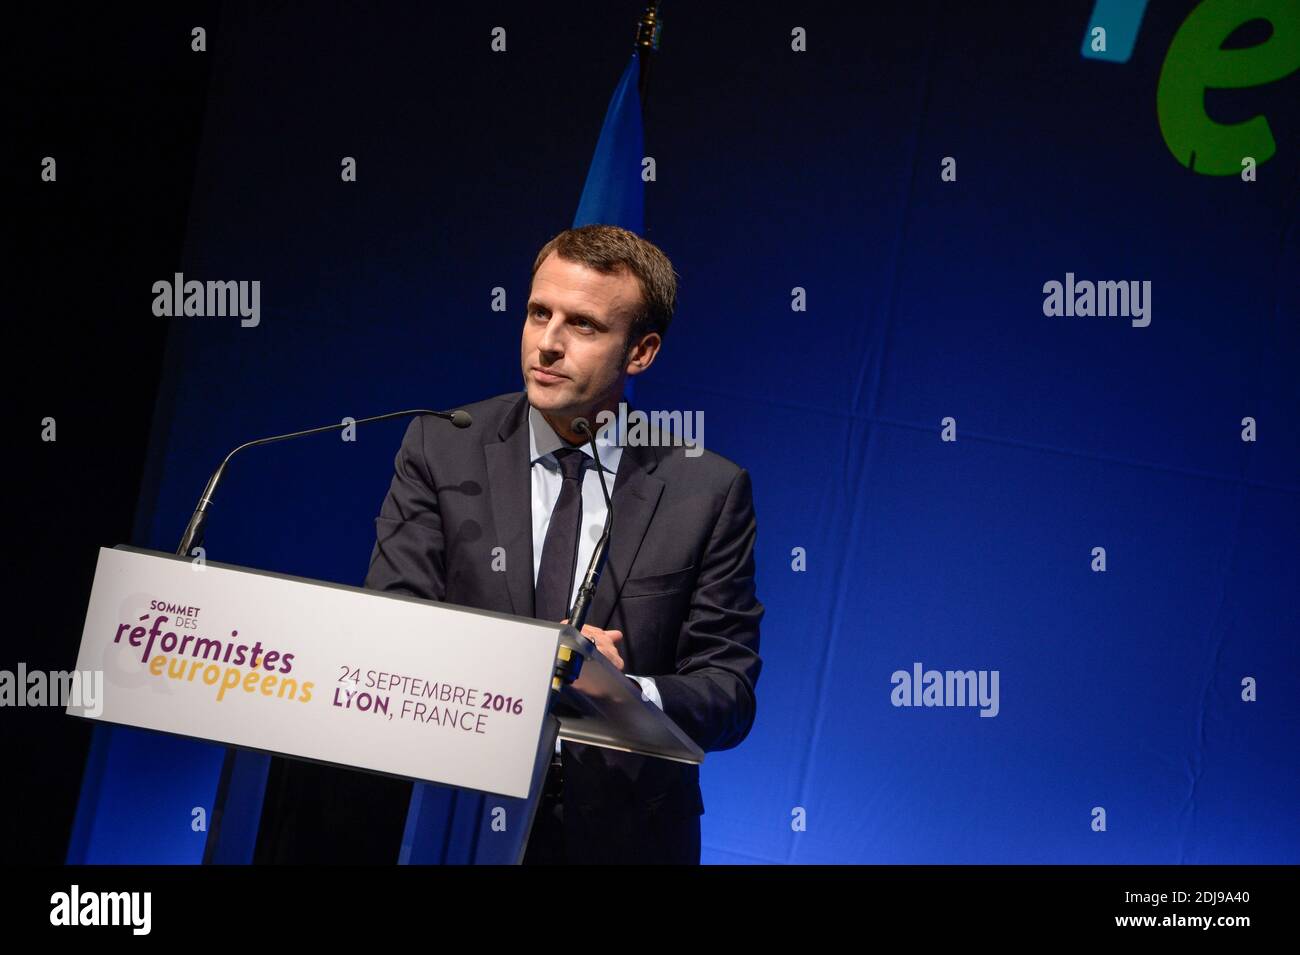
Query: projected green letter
(1196, 62)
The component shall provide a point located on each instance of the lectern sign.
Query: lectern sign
(337, 674)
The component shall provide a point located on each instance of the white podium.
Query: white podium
(352, 677)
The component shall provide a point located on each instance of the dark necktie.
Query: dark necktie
(560, 552)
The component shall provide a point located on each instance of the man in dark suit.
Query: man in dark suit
(503, 515)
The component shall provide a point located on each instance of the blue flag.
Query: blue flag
(614, 193)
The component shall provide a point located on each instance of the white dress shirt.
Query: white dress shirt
(547, 481)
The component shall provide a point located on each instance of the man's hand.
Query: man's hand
(606, 641)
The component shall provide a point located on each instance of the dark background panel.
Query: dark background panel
(774, 170)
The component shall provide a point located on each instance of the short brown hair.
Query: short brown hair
(609, 249)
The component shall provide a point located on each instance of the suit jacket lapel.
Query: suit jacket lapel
(635, 495)
(510, 489)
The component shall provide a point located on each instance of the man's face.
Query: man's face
(574, 338)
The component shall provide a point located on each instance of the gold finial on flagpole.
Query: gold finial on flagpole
(648, 28)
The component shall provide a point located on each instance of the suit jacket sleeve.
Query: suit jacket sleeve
(408, 553)
(711, 696)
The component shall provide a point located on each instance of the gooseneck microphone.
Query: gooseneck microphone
(193, 536)
(582, 604)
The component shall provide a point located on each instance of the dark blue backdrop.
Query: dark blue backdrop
(820, 170)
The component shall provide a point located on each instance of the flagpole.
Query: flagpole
(648, 29)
